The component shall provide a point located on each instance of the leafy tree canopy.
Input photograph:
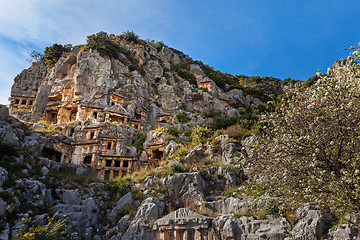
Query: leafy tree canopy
(102, 43)
(311, 146)
(53, 53)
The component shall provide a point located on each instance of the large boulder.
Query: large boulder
(344, 231)
(170, 149)
(251, 228)
(4, 112)
(3, 176)
(194, 154)
(150, 210)
(311, 224)
(217, 179)
(71, 197)
(9, 135)
(123, 201)
(230, 205)
(138, 230)
(185, 189)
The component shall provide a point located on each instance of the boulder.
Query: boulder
(5, 233)
(150, 210)
(71, 197)
(4, 112)
(92, 211)
(311, 224)
(251, 228)
(233, 113)
(123, 201)
(123, 223)
(32, 191)
(44, 171)
(230, 205)
(344, 231)
(3, 176)
(154, 70)
(139, 230)
(3, 207)
(185, 189)
(170, 149)
(217, 179)
(194, 154)
(8, 135)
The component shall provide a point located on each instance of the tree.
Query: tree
(34, 56)
(311, 144)
(131, 36)
(53, 53)
(102, 43)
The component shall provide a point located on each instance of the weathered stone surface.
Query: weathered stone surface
(311, 224)
(251, 228)
(33, 191)
(195, 69)
(124, 223)
(138, 230)
(8, 135)
(150, 210)
(194, 154)
(185, 189)
(44, 171)
(5, 233)
(3, 176)
(154, 70)
(233, 113)
(217, 179)
(91, 210)
(170, 148)
(230, 205)
(71, 197)
(126, 199)
(4, 112)
(154, 138)
(3, 207)
(345, 231)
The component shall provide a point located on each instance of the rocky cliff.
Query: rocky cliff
(149, 144)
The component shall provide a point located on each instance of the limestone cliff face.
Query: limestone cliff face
(85, 80)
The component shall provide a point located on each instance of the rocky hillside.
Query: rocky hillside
(129, 139)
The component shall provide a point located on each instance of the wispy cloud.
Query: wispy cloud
(33, 24)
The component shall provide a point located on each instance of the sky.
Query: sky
(278, 38)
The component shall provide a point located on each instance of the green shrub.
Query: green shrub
(187, 132)
(121, 186)
(53, 53)
(102, 43)
(199, 134)
(55, 229)
(130, 36)
(159, 45)
(273, 209)
(175, 167)
(219, 122)
(173, 131)
(183, 117)
(139, 141)
(184, 74)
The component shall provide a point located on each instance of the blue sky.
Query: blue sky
(251, 37)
